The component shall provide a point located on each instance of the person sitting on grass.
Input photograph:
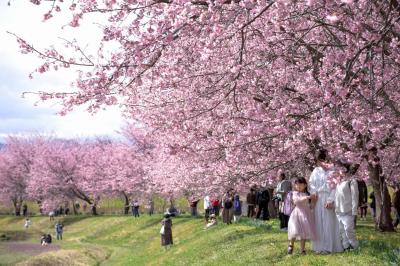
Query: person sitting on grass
(48, 239)
(212, 221)
(45, 239)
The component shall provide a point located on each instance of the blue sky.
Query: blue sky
(19, 115)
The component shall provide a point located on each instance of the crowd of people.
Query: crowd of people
(308, 208)
(46, 239)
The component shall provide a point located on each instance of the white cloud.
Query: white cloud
(25, 20)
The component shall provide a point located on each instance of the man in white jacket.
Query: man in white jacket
(346, 205)
(207, 208)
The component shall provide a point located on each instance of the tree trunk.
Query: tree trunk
(74, 208)
(126, 207)
(383, 220)
(17, 206)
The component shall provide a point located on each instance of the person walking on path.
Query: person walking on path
(166, 232)
(346, 205)
(227, 205)
(237, 208)
(283, 188)
(326, 222)
(251, 202)
(301, 224)
(59, 230)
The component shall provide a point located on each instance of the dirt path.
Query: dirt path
(30, 248)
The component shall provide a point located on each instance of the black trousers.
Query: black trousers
(216, 210)
(264, 209)
(284, 219)
(250, 211)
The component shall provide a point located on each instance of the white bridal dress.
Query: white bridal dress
(326, 222)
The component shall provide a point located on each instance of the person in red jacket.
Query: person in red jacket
(215, 203)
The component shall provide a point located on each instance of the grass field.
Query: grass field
(119, 240)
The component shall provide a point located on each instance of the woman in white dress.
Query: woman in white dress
(327, 225)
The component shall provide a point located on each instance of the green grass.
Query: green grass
(119, 240)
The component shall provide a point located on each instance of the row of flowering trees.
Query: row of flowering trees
(51, 170)
(236, 89)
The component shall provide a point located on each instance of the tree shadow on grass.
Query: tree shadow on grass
(13, 235)
(69, 220)
(381, 250)
(150, 223)
(237, 235)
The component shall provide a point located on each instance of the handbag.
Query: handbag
(162, 230)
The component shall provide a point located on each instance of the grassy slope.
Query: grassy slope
(118, 240)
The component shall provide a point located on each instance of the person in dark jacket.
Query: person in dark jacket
(45, 239)
(135, 208)
(227, 205)
(48, 239)
(193, 207)
(372, 205)
(25, 210)
(59, 230)
(166, 232)
(262, 200)
(251, 202)
(237, 208)
(362, 198)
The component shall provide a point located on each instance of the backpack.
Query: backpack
(288, 205)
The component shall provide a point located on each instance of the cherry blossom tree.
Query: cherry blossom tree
(114, 168)
(55, 172)
(16, 159)
(246, 87)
